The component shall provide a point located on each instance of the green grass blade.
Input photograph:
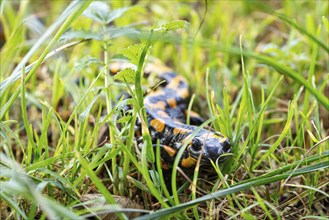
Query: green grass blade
(31, 146)
(261, 203)
(310, 188)
(7, 134)
(161, 176)
(311, 74)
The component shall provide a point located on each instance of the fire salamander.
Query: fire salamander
(166, 109)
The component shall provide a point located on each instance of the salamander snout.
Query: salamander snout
(212, 148)
(226, 145)
(216, 147)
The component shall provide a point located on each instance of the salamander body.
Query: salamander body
(166, 109)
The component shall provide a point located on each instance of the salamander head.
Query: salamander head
(211, 145)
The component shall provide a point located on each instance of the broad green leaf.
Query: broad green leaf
(116, 14)
(173, 26)
(133, 53)
(127, 75)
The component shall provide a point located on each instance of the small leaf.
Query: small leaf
(116, 14)
(98, 11)
(81, 35)
(133, 53)
(127, 75)
(87, 61)
(122, 31)
(101, 12)
(175, 25)
(172, 26)
(124, 119)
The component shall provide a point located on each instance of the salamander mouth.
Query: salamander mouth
(205, 159)
(214, 154)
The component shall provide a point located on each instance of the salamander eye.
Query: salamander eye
(196, 144)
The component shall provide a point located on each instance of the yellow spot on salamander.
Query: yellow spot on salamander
(188, 162)
(157, 105)
(183, 93)
(180, 131)
(157, 67)
(171, 151)
(175, 82)
(223, 139)
(192, 114)
(158, 92)
(164, 165)
(187, 138)
(172, 102)
(162, 114)
(158, 124)
(116, 67)
(212, 135)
